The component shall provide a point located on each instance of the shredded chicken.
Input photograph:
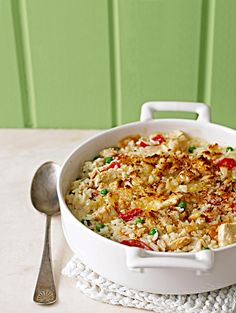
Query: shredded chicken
(184, 200)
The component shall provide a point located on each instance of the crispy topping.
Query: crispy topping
(171, 191)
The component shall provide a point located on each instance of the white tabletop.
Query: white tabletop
(22, 227)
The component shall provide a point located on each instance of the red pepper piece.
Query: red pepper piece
(128, 216)
(143, 144)
(136, 243)
(113, 164)
(227, 162)
(158, 138)
(233, 206)
(207, 218)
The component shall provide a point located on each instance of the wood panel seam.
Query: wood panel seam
(24, 61)
(206, 51)
(115, 63)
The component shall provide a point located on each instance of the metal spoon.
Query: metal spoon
(44, 199)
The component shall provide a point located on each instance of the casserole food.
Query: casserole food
(158, 272)
(163, 192)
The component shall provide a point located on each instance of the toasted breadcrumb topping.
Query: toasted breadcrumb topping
(169, 191)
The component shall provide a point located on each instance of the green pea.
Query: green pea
(99, 226)
(139, 220)
(229, 149)
(191, 149)
(152, 231)
(182, 204)
(103, 192)
(108, 159)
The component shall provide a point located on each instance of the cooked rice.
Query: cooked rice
(175, 184)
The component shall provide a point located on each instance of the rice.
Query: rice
(163, 192)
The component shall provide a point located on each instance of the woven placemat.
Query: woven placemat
(101, 289)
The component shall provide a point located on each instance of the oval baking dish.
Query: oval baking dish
(157, 272)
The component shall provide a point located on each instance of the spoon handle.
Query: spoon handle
(45, 292)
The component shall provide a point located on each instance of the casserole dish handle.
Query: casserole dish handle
(137, 258)
(202, 109)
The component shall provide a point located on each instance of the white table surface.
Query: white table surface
(22, 228)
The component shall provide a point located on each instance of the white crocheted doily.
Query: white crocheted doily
(101, 289)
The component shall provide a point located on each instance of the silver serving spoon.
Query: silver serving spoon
(44, 199)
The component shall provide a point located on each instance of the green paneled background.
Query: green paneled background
(11, 113)
(92, 63)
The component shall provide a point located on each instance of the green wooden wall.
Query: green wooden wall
(92, 63)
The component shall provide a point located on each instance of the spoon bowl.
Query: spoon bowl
(43, 188)
(44, 199)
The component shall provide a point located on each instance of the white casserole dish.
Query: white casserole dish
(156, 272)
